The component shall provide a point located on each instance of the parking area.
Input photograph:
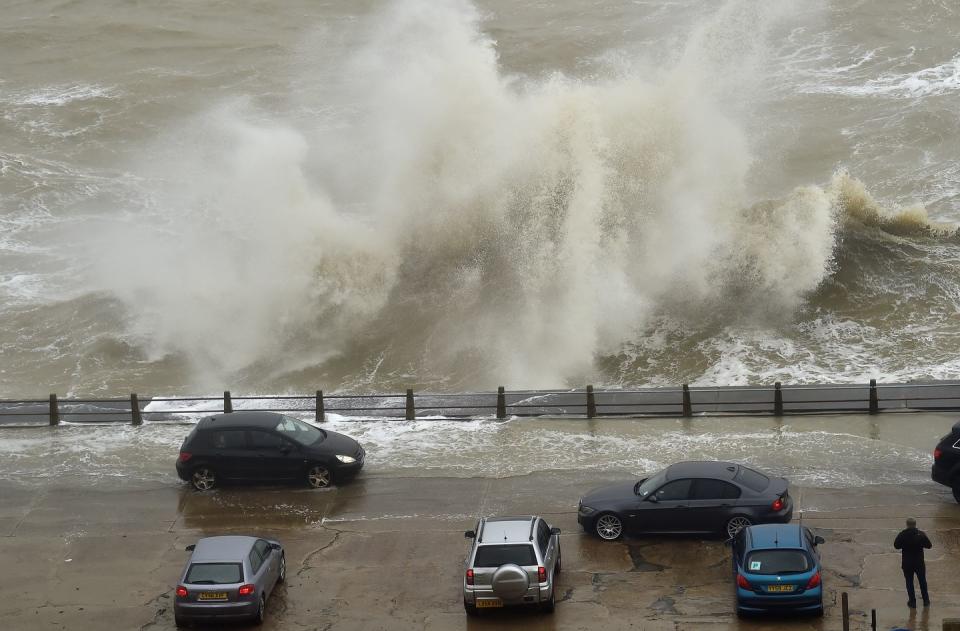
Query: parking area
(385, 553)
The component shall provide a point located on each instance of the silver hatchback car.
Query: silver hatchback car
(512, 561)
(228, 578)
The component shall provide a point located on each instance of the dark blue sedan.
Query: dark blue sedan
(777, 568)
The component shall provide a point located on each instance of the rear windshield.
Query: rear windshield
(495, 556)
(778, 562)
(214, 573)
(753, 479)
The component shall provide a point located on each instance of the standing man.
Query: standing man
(912, 542)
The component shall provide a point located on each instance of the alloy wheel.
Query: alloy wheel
(736, 524)
(283, 569)
(203, 479)
(319, 477)
(609, 527)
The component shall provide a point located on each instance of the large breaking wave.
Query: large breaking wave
(440, 222)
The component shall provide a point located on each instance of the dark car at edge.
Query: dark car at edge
(265, 447)
(687, 497)
(946, 461)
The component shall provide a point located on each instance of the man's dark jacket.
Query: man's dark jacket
(912, 541)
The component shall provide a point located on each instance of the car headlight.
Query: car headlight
(346, 459)
(586, 510)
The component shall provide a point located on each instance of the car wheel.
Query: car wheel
(559, 564)
(203, 478)
(956, 492)
(283, 569)
(550, 605)
(470, 609)
(608, 527)
(261, 611)
(737, 523)
(319, 477)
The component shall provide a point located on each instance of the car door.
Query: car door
(712, 503)
(276, 458)
(271, 563)
(664, 510)
(231, 458)
(547, 548)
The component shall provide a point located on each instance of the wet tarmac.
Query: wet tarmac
(104, 551)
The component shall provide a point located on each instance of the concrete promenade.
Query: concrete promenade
(386, 551)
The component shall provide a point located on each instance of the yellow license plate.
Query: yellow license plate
(212, 596)
(780, 588)
(489, 602)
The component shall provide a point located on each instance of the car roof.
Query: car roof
(266, 420)
(766, 536)
(227, 548)
(702, 469)
(506, 530)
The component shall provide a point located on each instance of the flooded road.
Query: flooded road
(94, 522)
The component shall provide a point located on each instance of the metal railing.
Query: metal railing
(683, 401)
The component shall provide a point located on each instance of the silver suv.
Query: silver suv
(513, 561)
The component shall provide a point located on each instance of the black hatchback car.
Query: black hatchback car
(946, 461)
(687, 497)
(265, 446)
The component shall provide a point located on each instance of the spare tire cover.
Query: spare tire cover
(510, 581)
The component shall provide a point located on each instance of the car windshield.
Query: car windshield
(651, 484)
(299, 431)
(777, 562)
(497, 555)
(753, 479)
(214, 574)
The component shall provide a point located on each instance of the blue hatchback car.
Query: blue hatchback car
(776, 567)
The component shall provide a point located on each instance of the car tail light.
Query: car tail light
(470, 577)
(246, 590)
(181, 591)
(937, 453)
(814, 581)
(743, 582)
(542, 574)
(777, 504)
(185, 455)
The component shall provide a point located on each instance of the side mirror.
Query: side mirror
(818, 540)
(554, 531)
(191, 547)
(470, 535)
(652, 498)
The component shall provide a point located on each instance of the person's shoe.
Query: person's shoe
(926, 602)
(912, 604)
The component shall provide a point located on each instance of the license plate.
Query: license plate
(489, 602)
(780, 588)
(212, 596)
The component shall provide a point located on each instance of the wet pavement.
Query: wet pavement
(386, 551)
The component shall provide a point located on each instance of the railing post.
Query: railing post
(873, 619)
(321, 412)
(501, 403)
(54, 410)
(136, 417)
(845, 611)
(874, 399)
(411, 410)
(777, 400)
(591, 403)
(687, 406)
(227, 402)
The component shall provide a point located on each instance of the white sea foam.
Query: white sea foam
(942, 79)
(59, 95)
